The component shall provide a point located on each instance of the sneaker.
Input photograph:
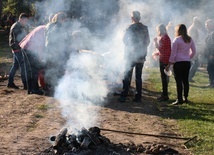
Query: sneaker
(12, 85)
(177, 102)
(210, 85)
(122, 99)
(163, 98)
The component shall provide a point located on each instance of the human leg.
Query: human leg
(126, 84)
(164, 81)
(12, 73)
(178, 78)
(185, 75)
(138, 80)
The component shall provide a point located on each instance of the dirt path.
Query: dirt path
(27, 122)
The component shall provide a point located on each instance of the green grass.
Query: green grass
(194, 119)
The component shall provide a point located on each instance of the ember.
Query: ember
(91, 142)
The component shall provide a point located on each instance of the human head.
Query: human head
(180, 30)
(59, 17)
(196, 21)
(135, 16)
(23, 19)
(209, 24)
(161, 29)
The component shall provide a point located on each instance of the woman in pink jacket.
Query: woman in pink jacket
(183, 49)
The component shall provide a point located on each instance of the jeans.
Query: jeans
(138, 80)
(164, 80)
(18, 61)
(194, 67)
(210, 70)
(181, 73)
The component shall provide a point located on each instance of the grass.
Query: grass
(194, 119)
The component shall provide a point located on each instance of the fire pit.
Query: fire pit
(91, 142)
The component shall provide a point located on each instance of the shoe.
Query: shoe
(12, 85)
(122, 99)
(117, 93)
(210, 85)
(191, 80)
(39, 92)
(163, 98)
(25, 87)
(186, 100)
(137, 100)
(177, 102)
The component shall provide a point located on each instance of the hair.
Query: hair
(50, 18)
(136, 15)
(210, 21)
(23, 15)
(161, 29)
(181, 30)
(58, 17)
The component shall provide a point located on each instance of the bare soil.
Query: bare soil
(28, 121)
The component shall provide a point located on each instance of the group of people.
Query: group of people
(180, 53)
(38, 51)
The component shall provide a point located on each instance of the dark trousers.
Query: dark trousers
(181, 73)
(138, 80)
(33, 66)
(18, 61)
(210, 70)
(194, 67)
(164, 80)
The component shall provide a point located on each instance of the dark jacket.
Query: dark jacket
(17, 33)
(209, 47)
(136, 40)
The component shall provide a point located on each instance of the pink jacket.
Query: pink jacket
(35, 40)
(182, 51)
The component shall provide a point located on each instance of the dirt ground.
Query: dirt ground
(28, 121)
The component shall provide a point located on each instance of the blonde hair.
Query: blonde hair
(58, 17)
(161, 29)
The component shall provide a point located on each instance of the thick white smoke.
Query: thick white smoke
(87, 75)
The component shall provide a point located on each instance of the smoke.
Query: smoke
(102, 23)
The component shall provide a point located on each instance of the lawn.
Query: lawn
(195, 118)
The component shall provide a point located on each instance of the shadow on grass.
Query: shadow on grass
(191, 111)
(150, 106)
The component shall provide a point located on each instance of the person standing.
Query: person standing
(136, 40)
(33, 45)
(17, 33)
(56, 51)
(183, 50)
(209, 50)
(163, 43)
(193, 31)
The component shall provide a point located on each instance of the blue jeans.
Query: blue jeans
(18, 61)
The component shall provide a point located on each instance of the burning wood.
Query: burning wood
(90, 141)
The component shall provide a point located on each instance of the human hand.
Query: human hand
(167, 67)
